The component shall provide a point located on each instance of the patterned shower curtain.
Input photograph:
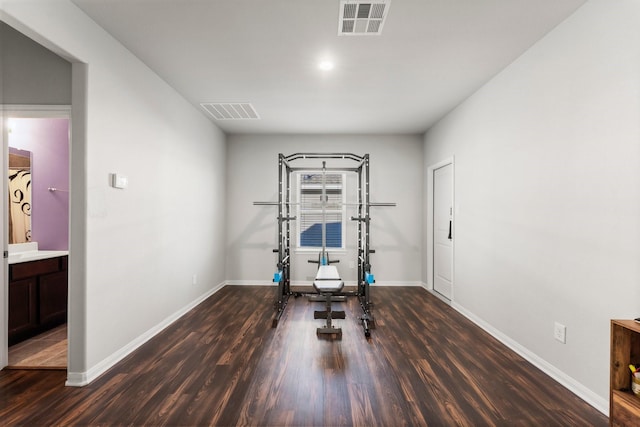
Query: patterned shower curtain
(20, 205)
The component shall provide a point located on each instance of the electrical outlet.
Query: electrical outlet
(194, 279)
(560, 332)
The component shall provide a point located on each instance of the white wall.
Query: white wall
(30, 73)
(140, 247)
(396, 176)
(548, 194)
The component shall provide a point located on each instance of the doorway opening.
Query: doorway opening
(37, 146)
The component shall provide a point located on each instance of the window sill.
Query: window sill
(306, 251)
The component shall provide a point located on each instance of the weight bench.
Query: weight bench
(327, 284)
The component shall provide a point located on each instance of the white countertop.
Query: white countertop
(34, 256)
(26, 252)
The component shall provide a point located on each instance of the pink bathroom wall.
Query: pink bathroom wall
(48, 141)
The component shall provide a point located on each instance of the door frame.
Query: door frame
(7, 112)
(430, 226)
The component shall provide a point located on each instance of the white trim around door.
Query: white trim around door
(430, 253)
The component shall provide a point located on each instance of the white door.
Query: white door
(443, 230)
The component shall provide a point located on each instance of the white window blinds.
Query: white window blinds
(310, 210)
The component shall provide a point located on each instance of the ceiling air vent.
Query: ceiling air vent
(362, 18)
(230, 110)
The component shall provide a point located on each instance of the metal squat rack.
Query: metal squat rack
(283, 275)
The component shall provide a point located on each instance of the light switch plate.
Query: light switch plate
(119, 181)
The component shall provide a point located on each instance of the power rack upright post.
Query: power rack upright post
(283, 275)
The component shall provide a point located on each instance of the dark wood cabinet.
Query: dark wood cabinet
(624, 406)
(53, 298)
(22, 303)
(37, 297)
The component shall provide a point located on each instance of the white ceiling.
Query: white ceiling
(431, 55)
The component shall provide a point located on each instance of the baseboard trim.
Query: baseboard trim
(556, 374)
(393, 283)
(81, 379)
(249, 283)
(426, 286)
(562, 378)
(436, 294)
(308, 283)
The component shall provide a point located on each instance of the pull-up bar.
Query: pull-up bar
(345, 156)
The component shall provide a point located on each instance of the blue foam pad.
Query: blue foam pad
(277, 276)
(368, 277)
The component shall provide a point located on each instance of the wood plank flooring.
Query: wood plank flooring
(45, 351)
(222, 364)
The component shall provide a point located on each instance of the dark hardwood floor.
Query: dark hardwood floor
(222, 364)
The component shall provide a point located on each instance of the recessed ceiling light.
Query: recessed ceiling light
(326, 65)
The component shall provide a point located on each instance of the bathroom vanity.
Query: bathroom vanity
(38, 283)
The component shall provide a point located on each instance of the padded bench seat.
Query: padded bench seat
(328, 280)
(327, 283)
(327, 272)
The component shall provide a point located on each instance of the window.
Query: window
(310, 210)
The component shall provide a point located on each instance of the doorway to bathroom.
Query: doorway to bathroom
(37, 224)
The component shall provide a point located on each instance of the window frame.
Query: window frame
(342, 211)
